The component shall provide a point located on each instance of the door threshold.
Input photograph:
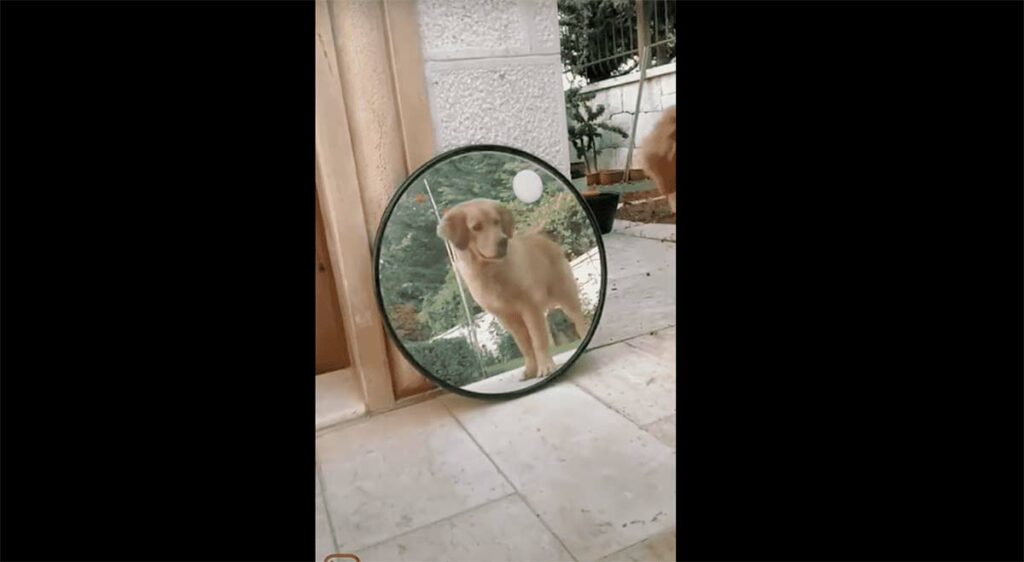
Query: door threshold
(339, 398)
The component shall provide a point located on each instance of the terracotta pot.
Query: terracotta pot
(609, 177)
(594, 179)
(637, 174)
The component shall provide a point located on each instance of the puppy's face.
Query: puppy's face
(481, 226)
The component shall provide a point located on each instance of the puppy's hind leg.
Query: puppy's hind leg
(521, 335)
(567, 298)
(537, 324)
(579, 321)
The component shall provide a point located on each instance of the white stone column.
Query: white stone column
(494, 75)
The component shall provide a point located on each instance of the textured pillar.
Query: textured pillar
(494, 75)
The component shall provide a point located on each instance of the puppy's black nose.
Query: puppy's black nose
(503, 245)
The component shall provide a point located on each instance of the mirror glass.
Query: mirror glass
(490, 271)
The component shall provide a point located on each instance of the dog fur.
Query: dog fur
(660, 156)
(518, 279)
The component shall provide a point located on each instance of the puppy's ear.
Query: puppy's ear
(453, 228)
(508, 221)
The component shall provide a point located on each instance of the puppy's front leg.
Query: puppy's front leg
(516, 327)
(537, 324)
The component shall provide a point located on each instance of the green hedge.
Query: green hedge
(452, 360)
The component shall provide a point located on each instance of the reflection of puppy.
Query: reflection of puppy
(517, 279)
(660, 156)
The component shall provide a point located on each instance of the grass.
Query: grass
(499, 368)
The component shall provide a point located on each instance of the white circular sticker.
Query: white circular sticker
(527, 186)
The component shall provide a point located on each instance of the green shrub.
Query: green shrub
(451, 360)
(507, 349)
(562, 329)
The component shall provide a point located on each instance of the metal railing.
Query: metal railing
(613, 41)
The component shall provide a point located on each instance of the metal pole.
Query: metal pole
(643, 32)
(645, 55)
(471, 326)
(643, 47)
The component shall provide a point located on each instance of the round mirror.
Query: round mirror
(490, 271)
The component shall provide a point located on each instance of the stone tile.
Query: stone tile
(666, 232)
(542, 17)
(646, 123)
(664, 430)
(623, 120)
(324, 541)
(501, 531)
(661, 344)
(493, 28)
(637, 384)
(599, 482)
(668, 84)
(339, 398)
(612, 140)
(659, 548)
(651, 96)
(516, 102)
(621, 225)
(614, 98)
(640, 297)
(668, 101)
(392, 473)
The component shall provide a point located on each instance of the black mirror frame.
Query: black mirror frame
(397, 196)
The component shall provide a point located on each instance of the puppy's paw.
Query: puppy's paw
(528, 373)
(546, 367)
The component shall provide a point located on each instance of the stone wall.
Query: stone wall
(619, 96)
(494, 75)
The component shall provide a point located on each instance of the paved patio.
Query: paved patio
(581, 470)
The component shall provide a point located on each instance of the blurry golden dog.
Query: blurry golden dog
(660, 156)
(518, 279)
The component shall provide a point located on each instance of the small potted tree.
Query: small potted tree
(585, 129)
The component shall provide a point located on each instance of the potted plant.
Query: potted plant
(585, 129)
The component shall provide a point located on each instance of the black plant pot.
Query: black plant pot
(604, 206)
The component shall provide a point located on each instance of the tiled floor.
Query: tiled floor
(583, 469)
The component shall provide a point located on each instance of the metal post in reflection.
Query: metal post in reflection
(471, 326)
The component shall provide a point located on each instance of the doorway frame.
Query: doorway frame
(341, 195)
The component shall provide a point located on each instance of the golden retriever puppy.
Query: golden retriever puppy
(518, 279)
(660, 156)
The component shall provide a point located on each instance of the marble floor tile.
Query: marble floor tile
(621, 225)
(661, 344)
(598, 481)
(640, 295)
(501, 531)
(392, 473)
(653, 231)
(664, 430)
(637, 384)
(324, 540)
(659, 548)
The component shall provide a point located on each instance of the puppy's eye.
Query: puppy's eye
(477, 227)
(496, 221)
